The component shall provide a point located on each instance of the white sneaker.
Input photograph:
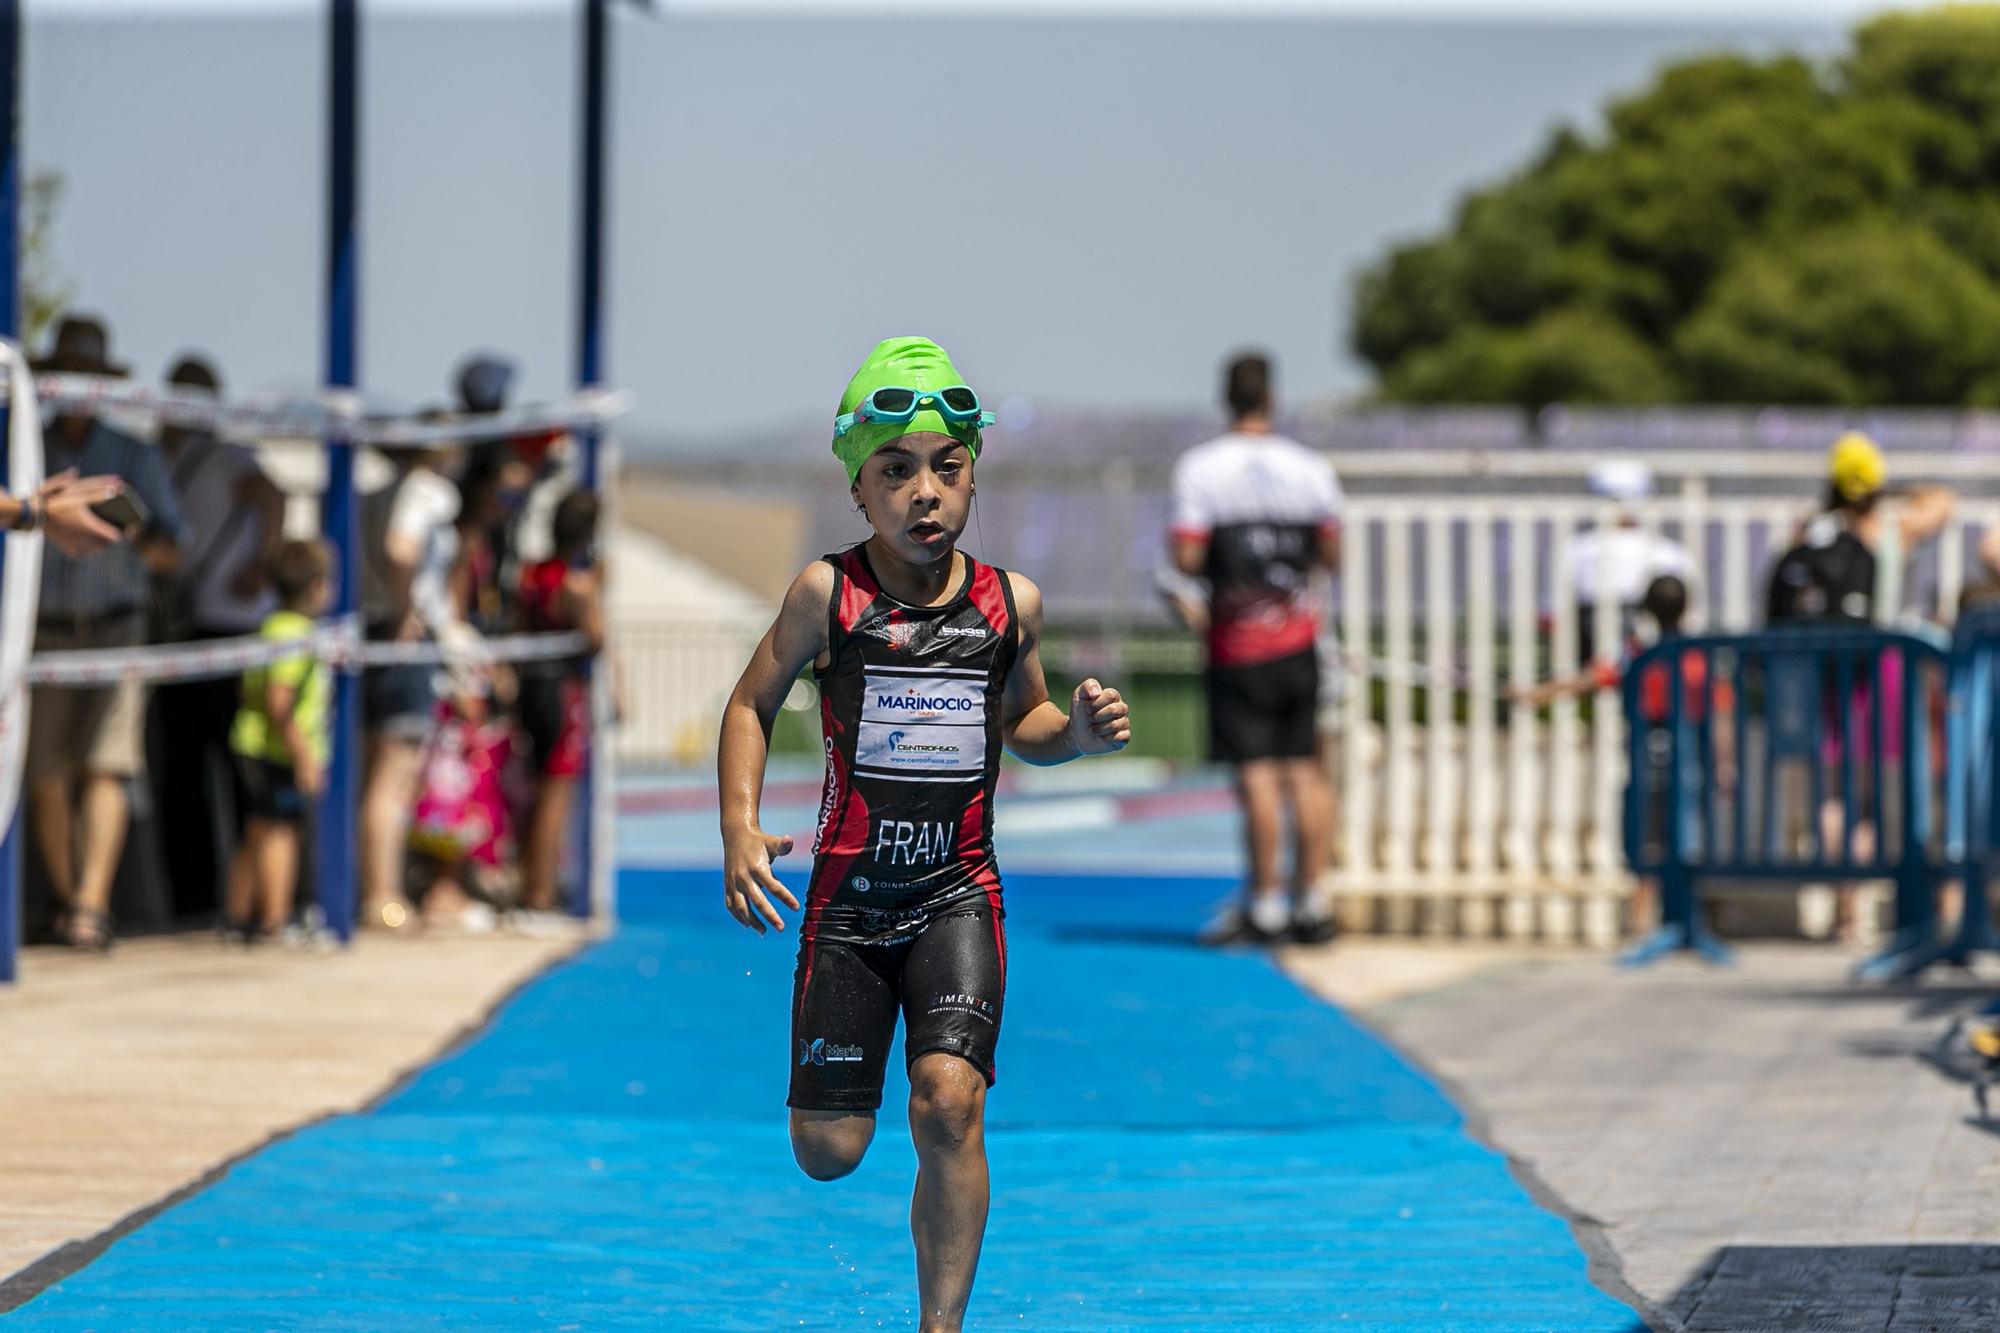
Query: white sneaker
(539, 925)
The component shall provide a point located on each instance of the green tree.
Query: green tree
(44, 291)
(1742, 230)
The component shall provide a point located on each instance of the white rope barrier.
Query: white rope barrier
(543, 647)
(336, 418)
(337, 643)
(20, 585)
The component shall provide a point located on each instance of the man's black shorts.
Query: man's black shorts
(947, 980)
(1263, 711)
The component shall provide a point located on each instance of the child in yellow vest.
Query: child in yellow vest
(281, 742)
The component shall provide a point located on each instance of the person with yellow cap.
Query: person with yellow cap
(1847, 566)
(1848, 560)
(928, 663)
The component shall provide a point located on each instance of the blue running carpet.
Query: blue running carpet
(1180, 1139)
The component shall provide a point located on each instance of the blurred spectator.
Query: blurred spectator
(281, 743)
(475, 577)
(1849, 559)
(85, 744)
(62, 507)
(462, 833)
(1848, 564)
(1625, 556)
(484, 381)
(1255, 514)
(535, 470)
(406, 526)
(562, 593)
(233, 518)
(1665, 604)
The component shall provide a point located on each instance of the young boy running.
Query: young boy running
(928, 663)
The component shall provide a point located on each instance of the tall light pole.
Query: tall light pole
(10, 327)
(593, 125)
(334, 862)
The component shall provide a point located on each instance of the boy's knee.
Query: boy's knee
(830, 1149)
(947, 1102)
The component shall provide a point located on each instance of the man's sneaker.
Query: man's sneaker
(1313, 926)
(1255, 924)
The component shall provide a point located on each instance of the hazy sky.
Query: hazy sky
(1084, 210)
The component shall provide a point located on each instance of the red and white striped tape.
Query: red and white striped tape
(337, 643)
(336, 417)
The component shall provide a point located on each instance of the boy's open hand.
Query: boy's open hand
(747, 878)
(1099, 721)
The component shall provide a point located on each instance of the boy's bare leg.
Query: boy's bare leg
(239, 901)
(277, 872)
(948, 1211)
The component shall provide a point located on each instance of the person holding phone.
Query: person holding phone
(85, 745)
(64, 509)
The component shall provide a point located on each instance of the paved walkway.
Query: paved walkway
(1181, 1140)
(1765, 1147)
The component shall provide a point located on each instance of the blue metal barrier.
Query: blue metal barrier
(1972, 832)
(1793, 755)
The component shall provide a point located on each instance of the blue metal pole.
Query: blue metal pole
(590, 354)
(590, 219)
(334, 847)
(10, 326)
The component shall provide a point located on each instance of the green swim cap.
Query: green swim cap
(901, 363)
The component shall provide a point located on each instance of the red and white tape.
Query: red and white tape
(336, 417)
(337, 643)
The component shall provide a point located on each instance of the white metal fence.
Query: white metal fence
(675, 673)
(1451, 601)
(1454, 603)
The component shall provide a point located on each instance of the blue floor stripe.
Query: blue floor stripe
(1180, 1140)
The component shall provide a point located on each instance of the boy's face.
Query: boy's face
(319, 597)
(917, 492)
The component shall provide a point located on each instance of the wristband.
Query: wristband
(28, 519)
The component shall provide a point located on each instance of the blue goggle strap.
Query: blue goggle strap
(847, 421)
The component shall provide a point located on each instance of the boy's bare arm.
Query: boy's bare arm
(796, 637)
(1032, 727)
(281, 706)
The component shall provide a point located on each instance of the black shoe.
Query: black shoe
(1233, 925)
(1312, 928)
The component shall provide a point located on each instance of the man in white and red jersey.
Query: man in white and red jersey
(1257, 515)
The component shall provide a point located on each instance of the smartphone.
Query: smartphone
(124, 511)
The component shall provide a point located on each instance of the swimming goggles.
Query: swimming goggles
(898, 407)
